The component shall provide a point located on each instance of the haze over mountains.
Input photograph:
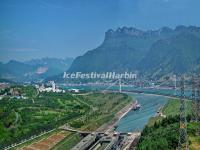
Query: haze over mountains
(151, 53)
(33, 70)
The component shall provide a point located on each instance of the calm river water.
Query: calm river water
(136, 120)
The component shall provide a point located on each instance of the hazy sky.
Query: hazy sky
(68, 28)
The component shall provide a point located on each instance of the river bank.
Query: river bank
(110, 126)
(135, 121)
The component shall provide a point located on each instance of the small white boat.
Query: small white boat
(136, 106)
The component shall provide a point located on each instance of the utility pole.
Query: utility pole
(183, 138)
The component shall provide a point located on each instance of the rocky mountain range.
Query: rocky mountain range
(152, 52)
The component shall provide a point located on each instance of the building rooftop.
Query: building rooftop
(85, 143)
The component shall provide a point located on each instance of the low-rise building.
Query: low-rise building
(52, 88)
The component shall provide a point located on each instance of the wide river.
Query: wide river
(136, 120)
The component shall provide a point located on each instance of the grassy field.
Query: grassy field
(69, 142)
(103, 106)
(173, 107)
(22, 118)
(35, 140)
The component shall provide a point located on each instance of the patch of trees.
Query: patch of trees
(163, 135)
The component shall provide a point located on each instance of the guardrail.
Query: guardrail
(26, 140)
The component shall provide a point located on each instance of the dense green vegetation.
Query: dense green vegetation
(22, 118)
(194, 138)
(163, 133)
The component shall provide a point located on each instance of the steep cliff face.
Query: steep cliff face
(121, 50)
(129, 49)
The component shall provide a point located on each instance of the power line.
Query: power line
(194, 99)
(198, 99)
(183, 138)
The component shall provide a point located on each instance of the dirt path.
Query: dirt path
(46, 143)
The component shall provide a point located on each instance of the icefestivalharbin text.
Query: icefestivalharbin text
(95, 75)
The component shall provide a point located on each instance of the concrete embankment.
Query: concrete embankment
(109, 127)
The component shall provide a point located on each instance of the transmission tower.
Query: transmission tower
(183, 138)
(194, 99)
(198, 98)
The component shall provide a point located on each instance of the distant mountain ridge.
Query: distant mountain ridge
(177, 54)
(151, 52)
(33, 70)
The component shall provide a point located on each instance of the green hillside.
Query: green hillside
(163, 133)
(22, 118)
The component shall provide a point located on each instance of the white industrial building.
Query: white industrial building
(53, 88)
